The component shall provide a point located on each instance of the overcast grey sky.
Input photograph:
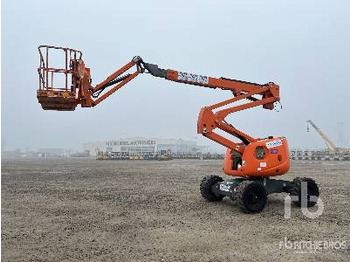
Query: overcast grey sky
(301, 45)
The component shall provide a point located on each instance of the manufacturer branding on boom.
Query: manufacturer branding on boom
(183, 76)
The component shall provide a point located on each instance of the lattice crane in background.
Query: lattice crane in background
(330, 145)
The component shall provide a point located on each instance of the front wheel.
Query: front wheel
(251, 196)
(206, 185)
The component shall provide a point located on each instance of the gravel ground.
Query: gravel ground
(88, 210)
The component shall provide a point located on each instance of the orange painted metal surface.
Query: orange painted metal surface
(276, 160)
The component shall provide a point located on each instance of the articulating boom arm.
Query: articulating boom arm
(208, 120)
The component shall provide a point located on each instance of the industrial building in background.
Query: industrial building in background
(147, 148)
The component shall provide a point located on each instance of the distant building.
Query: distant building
(52, 152)
(142, 145)
(41, 153)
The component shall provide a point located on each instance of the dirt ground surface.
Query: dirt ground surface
(89, 210)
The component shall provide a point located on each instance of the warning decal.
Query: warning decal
(274, 143)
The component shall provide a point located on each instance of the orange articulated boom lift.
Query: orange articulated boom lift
(251, 162)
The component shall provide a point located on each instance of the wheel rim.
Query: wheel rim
(255, 199)
(252, 198)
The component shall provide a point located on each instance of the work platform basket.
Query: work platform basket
(57, 71)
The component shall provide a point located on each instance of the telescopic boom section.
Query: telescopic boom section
(210, 117)
(209, 120)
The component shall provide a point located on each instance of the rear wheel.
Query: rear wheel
(312, 190)
(251, 196)
(206, 185)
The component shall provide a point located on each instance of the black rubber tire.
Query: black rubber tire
(205, 188)
(251, 196)
(312, 190)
